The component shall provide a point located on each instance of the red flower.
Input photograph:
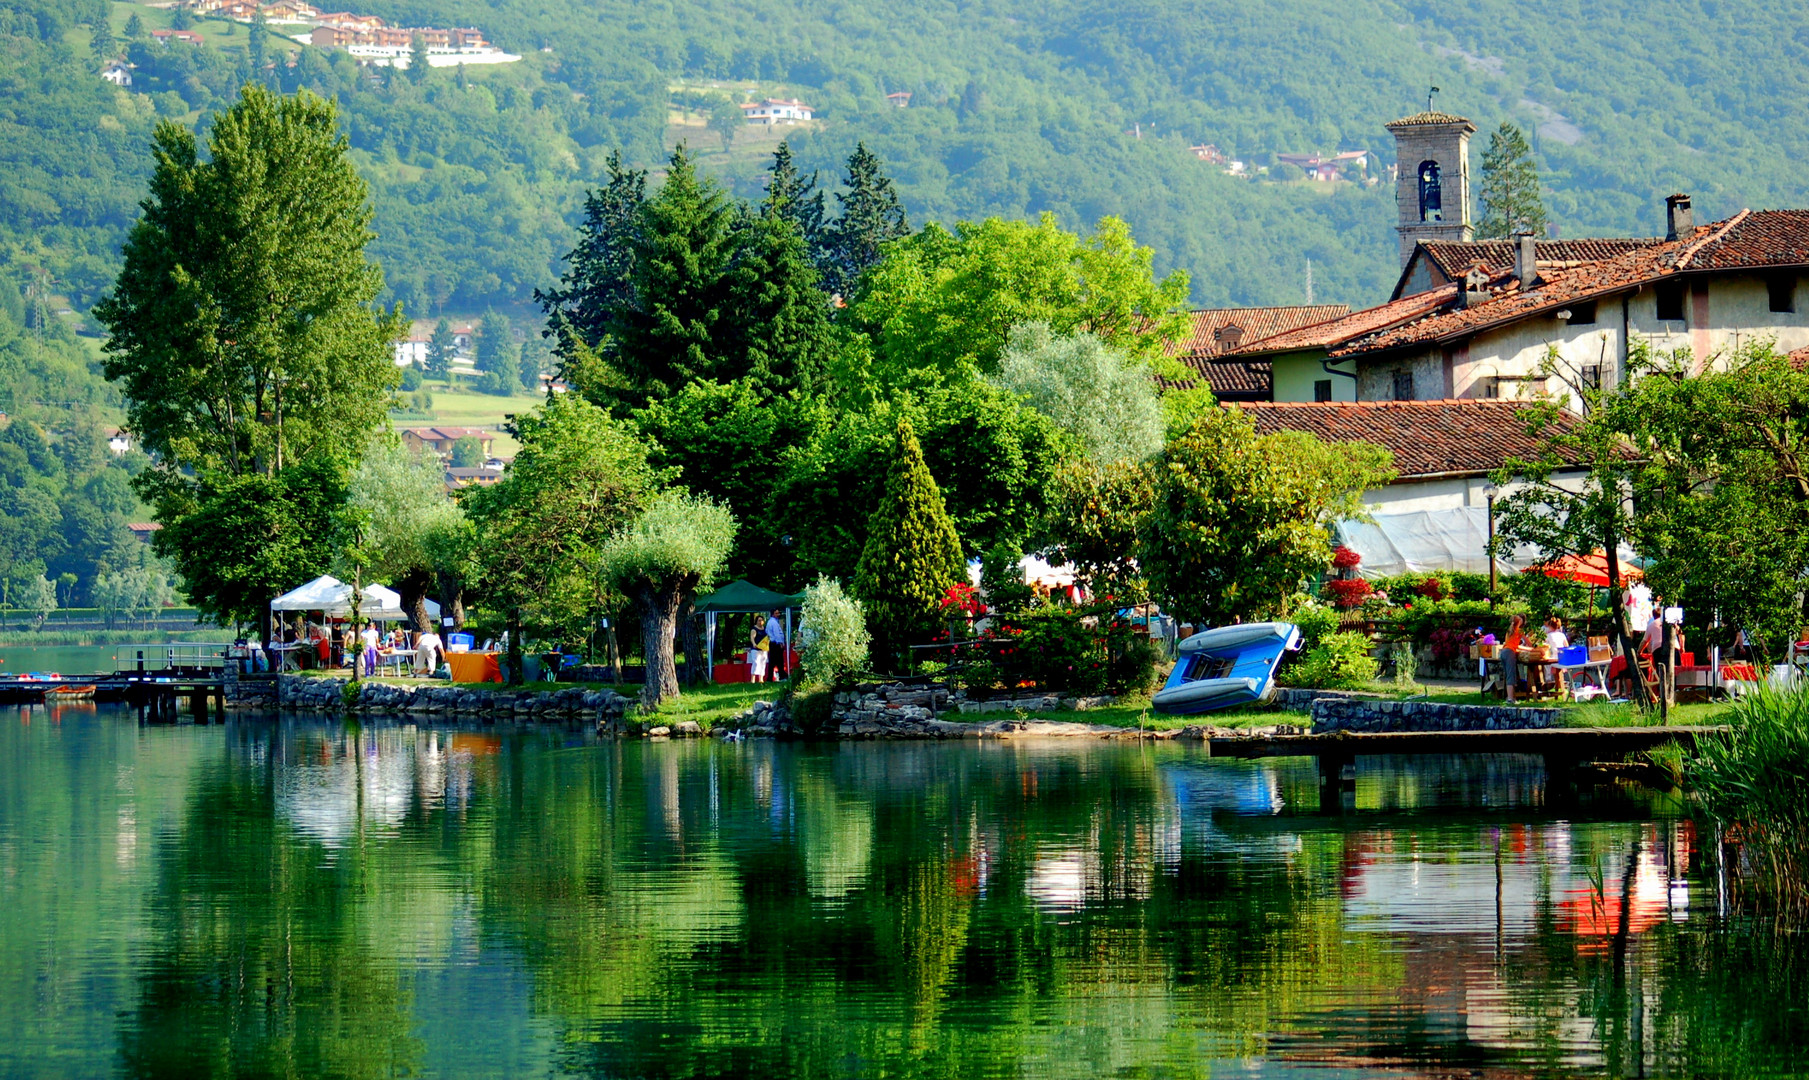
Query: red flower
(1344, 558)
(1349, 593)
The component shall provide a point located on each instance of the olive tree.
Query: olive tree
(680, 542)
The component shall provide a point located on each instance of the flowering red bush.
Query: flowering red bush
(1431, 589)
(1344, 558)
(964, 598)
(1348, 594)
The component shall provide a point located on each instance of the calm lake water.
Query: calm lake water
(307, 898)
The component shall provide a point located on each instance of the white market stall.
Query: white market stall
(330, 596)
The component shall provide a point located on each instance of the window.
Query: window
(1403, 385)
(1782, 288)
(1591, 376)
(1582, 314)
(1489, 386)
(1432, 199)
(1669, 301)
(1322, 390)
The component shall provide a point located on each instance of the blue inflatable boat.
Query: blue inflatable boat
(1232, 665)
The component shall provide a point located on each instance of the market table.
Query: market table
(469, 667)
(399, 659)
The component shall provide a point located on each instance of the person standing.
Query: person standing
(777, 660)
(427, 653)
(368, 639)
(757, 646)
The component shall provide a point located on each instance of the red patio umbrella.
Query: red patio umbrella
(1591, 569)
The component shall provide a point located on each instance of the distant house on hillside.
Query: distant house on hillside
(1327, 167)
(118, 74)
(118, 441)
(900, 99)
(440, 439)
(1209, 153)
(187, 37)
(291, 11)
(411, 351)
(777, 111)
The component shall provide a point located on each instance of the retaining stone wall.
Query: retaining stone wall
(873, 703)
(1358, 714)
(603, 707)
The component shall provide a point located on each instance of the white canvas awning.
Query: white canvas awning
(1427, 541)
(331, 596)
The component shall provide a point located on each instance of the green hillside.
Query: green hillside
(1017, 108)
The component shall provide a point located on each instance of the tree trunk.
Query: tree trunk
(1636, 675)
(413, 587)
(452, 599)
(659, 603)
(697, 666)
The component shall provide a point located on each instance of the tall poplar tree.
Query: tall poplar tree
(244, 335)
(912, 555)
(1511, 203)
(871, 215)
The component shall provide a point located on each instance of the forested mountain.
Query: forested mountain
(1017, 108)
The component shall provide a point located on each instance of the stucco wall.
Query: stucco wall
(1731, 311)
(1295, 374)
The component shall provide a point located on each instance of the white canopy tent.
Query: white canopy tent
(331, 596)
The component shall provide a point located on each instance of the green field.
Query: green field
(463, 408)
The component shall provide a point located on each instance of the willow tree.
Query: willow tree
(679, 544)
(243, 329)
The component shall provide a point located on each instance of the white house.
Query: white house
(118, 74)
(411, 351)
(777, 111)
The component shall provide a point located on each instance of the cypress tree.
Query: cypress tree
(871, 215)
(912, 555)
(1511, 203)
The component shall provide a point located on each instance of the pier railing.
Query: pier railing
(170, 656)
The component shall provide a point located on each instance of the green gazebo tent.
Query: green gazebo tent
(742, 597)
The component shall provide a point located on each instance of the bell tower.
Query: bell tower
(1432, 179)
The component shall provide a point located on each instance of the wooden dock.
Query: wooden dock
(1576, 744)
(153, 678)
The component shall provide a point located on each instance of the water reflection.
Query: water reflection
(313, 898)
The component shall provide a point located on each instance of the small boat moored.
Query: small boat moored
(1226, 666)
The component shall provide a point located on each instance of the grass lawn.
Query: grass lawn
(464, 408)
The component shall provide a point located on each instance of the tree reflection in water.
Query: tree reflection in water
(697, 910)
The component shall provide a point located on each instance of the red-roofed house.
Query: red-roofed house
(440, 439)
(1218, 332)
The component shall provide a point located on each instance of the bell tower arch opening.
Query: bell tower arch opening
(1432, 179)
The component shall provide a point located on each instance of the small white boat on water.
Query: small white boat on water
(1226, 666)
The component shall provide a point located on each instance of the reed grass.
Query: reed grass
(1754, 782)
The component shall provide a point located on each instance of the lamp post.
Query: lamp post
(1488, 493)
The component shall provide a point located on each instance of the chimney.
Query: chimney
(1679, 220)
(1476, 288)
(1526, 261)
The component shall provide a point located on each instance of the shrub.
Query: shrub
(411, 379)
(1074, 650)
(1349, 593)
(1340, 662)
(1316, 622)
(811, 709)
(833, 634)
(1344, 558)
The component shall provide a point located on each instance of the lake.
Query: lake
(314, 898)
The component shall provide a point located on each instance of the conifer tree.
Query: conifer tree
(497, 354)
(871, 215)
(912, 555)
(777, 332)
(440, 347)
(668, 333)
(1511, 203)
(598, 280)
(791, 196)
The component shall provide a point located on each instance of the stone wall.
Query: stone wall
(1367, 715)
(602, 707)
(875, 702)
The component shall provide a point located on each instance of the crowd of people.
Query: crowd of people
(1533, 658)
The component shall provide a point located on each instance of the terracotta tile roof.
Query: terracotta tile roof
(1233, 381)
(1428, 119)
(448, 434)
(1336, 331)
(1746, 240)
(1427, 438)
(1452, 258)
(1212, 331)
